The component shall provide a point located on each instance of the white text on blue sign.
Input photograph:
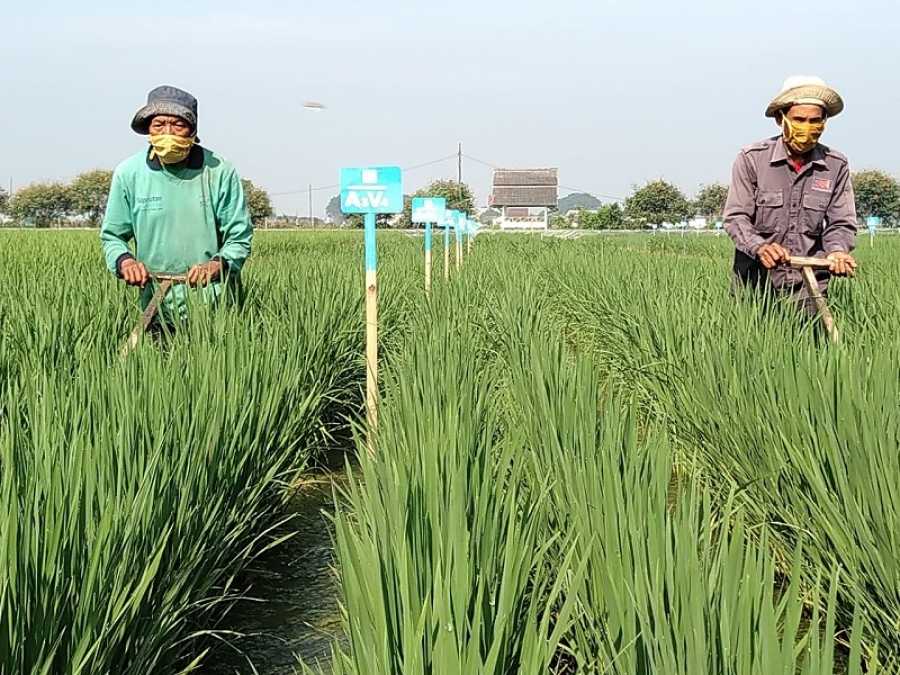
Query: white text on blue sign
(377, 189)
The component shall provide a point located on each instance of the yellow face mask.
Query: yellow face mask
(170, 148)
(801, 137)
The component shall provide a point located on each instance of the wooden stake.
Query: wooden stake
(459, 253)
(371, 358)
(446, 252)
(371, 334)
(428, 258)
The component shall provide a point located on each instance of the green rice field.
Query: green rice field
(591, 458)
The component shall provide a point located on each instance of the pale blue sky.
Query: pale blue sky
(613, 92)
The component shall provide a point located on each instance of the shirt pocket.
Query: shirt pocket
(769, 207)
(813, 214)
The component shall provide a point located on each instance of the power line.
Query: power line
(456, 156)
(414, 167)
(596, 194)
(297, 192)
(481, 161)
(434, 161)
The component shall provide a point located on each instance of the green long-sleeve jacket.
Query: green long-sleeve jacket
(177, 218)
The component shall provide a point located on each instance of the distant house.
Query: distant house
(524, 197)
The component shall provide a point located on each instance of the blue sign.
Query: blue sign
(460, 224)
(428, 209)
(376, 189)
(873, 222)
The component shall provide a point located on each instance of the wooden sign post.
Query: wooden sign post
(428, 210)
(873, 223)
(449, 220)
(371, 191)
(458, 228)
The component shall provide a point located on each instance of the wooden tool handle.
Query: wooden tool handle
(816, 263)
(165, 276)
(812, 287)
(146, 317)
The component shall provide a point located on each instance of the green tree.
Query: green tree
(41, 204)
(710, 201)
(611, 217)
(4, 200)
(877, 194)
(458, 195)
(333, 211)
(258, 201)
(606, 217)
(657, 202)
(89, 193)
(488, 217)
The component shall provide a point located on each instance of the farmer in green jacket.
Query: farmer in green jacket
(181, 205)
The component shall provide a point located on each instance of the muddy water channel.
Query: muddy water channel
(293, 607)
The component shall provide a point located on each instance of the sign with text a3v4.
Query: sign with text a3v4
(375, 189)
(428, 209)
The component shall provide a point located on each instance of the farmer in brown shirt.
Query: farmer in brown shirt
(791, 195)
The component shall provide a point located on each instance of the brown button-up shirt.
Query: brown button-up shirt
(811, 212)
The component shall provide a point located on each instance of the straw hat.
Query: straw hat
(803, 89)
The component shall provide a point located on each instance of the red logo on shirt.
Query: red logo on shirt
(822, 184)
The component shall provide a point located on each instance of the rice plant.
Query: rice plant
(443, 567)
(592, 458)
(673, 583)
(133, 491)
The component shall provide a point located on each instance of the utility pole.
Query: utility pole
(310, 206)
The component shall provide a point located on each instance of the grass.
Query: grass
(520, 515)
(606, 366)
(132, 492)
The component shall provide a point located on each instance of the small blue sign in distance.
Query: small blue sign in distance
(460, 224)
(873, 222)
(375, 189)
(428, 209)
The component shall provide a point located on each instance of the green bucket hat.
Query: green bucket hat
(166, 100)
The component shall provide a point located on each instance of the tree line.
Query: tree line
(877, 193)
(83, 201)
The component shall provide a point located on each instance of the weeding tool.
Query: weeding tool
(806, 267)
(165, 281)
